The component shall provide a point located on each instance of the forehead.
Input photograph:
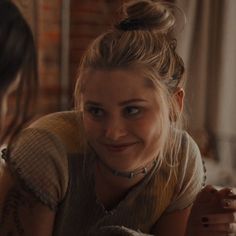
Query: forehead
(121, 83)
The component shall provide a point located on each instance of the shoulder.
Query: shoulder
(63, 125)
(57, 118)
(185, 153)
(190, 173)
(189, 144)
(38, 157)
(189, 158)
(39, 160)
(188, 150)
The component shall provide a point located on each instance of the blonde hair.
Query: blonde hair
(143, 39)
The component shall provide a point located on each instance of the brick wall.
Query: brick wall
(44, 17)
(89, 18)
(49, 51)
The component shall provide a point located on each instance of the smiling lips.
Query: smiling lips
(118, 147)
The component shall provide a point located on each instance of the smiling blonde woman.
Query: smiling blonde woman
(121, 163)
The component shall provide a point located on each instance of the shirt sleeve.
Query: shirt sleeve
(191, 175)
(39, 160)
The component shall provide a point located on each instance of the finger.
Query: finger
(227, 192)
(206, 194)
(229, 217)
(214, 233)
(229, 203)
(209, 189)
(224, 228)
(231, 196)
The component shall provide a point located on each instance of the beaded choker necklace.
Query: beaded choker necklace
(129, 174)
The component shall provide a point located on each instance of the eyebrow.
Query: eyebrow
(93, 103)
(120, 104)
(132, 101)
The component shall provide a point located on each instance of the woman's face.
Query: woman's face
(121, 118)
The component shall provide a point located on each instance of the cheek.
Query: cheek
(149, 128)
(150, 133)
(91, 127)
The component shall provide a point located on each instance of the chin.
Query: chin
(122, 163)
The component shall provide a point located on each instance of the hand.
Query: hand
(116, 230)
(213, 213)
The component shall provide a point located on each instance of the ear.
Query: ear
(179, 97)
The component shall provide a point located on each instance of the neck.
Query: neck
(130, 174)
(122, 179)
(110, 189)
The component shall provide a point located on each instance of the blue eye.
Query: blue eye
(95, 111)
(132, 111)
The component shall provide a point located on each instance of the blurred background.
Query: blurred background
(207, 42)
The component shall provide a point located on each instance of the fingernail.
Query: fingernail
(205, 219)
(231, 190)
(226, 203)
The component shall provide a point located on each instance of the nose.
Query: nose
(115, 129)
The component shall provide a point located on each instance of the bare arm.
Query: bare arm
(20, 212)
(173, 223)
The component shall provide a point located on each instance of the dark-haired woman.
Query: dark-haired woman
(18, 67)
(18, 77)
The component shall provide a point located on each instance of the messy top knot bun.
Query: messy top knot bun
(147, 15)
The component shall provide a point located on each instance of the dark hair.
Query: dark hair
(17, 57)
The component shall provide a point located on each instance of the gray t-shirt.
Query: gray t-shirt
(46, 158)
